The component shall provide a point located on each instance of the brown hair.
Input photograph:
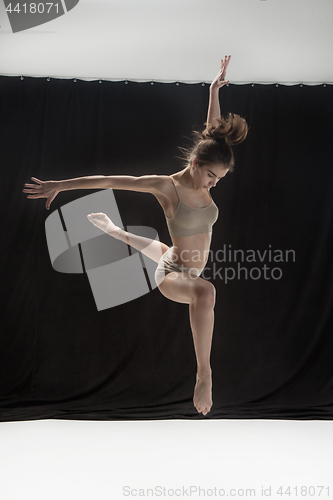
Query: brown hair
(213, 144)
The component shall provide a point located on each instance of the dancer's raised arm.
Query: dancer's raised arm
(214, 103)
(50, 189)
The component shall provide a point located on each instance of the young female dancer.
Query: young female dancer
(190, 213)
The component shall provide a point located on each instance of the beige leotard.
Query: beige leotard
(187, 220)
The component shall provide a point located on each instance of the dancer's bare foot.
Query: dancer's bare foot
(103, 222)
(202, 398)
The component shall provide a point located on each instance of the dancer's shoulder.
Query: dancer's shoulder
(163, 183)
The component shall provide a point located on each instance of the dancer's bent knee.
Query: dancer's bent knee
(204, 295)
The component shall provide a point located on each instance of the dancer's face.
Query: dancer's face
(207, 176)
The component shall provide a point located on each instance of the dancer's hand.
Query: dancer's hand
(43, 189)
(220, 79)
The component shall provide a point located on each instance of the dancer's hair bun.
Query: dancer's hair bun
(232, 128)
(213, 144)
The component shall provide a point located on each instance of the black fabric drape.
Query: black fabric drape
(273, 339)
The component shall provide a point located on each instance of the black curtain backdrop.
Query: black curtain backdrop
(273, 339)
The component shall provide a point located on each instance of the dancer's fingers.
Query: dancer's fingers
(32, 191)
(49, 201)
(37, 180)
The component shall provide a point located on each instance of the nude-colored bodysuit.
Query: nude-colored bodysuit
(186, 221)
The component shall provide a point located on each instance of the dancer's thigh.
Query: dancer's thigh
(180, 287)
(154, 250)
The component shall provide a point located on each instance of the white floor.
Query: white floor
(59, 459)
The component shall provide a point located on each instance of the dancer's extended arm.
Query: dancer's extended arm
(50, 189)
(214, 103)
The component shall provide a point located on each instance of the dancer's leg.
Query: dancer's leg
(179, 287)
(200, 295)
(152, 248)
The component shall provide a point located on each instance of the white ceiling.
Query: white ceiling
(285, 41)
